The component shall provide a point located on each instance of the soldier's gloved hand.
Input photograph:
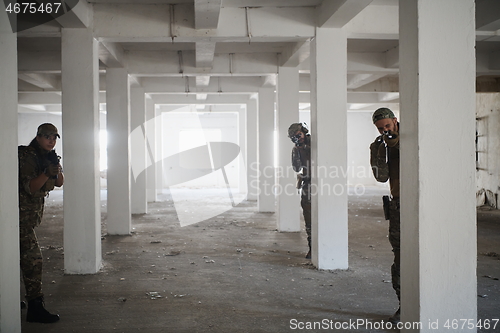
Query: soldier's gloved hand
(382, 152)
(52, 170)
(296, 161)
(394, 139)
(374, 147)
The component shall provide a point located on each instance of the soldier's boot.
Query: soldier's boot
(38, 314)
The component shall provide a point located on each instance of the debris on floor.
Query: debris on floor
(154, 294)
(172, 253)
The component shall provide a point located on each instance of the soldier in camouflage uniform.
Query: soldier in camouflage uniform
(38, 174)
(301, 160)
(384, 159)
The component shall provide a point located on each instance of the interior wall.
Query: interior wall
(175, 122)
(28, 124)
(488, 148)
(360, 134)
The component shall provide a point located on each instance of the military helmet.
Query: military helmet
(295, 127)
(382, 113)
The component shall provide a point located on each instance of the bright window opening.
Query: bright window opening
(194, 138)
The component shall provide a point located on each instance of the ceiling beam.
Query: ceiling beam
(337, 13)
(78, 17)
(111, 54)
(295, 53)
(39, 61)
(49, 29)
(31, 109)
(191, 99)
(206, 14)
(202, 80)
(135, 22)
(27, 98)
(355, 81)
(268, 81)
(204, 54)
(223, 84)
(154, 63)
(384, 84)
(44, 81)
(375, 22)
(392, 58)
(487, 15)
(360, 97)
(47, 98)
(43, 100)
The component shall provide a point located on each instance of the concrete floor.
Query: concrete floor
(235, 273)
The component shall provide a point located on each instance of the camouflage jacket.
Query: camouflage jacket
(31, 204)
(385, 164)
(301, 158)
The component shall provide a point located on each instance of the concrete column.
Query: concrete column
(10, 320)
(151, 150)
(266, 198)
(251, 161)
(329, 149)
(437, 85)
(288, 113)
(242, 142)
(80, 119)
(159, 151)
(118, 128)
(138, 145)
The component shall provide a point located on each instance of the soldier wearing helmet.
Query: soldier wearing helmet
(384, 159)
(301, 162)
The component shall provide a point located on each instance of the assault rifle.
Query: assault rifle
(389, 135)
(53, 158)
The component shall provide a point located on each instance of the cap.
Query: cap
(47, 129)
(382, 113)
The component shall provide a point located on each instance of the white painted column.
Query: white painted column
(329, 149)
(437, 84)
(265, 137)
(288, 113)
(118, 127)
(138, 145)
(151, 150)
(80, 119)
(159, 151)
(251, 161)
(10, 320)
(242, 142)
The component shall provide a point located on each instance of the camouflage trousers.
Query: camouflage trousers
(30, 253)
(395, 240)
(305, 202)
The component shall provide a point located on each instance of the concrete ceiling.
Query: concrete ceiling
(233, 47)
